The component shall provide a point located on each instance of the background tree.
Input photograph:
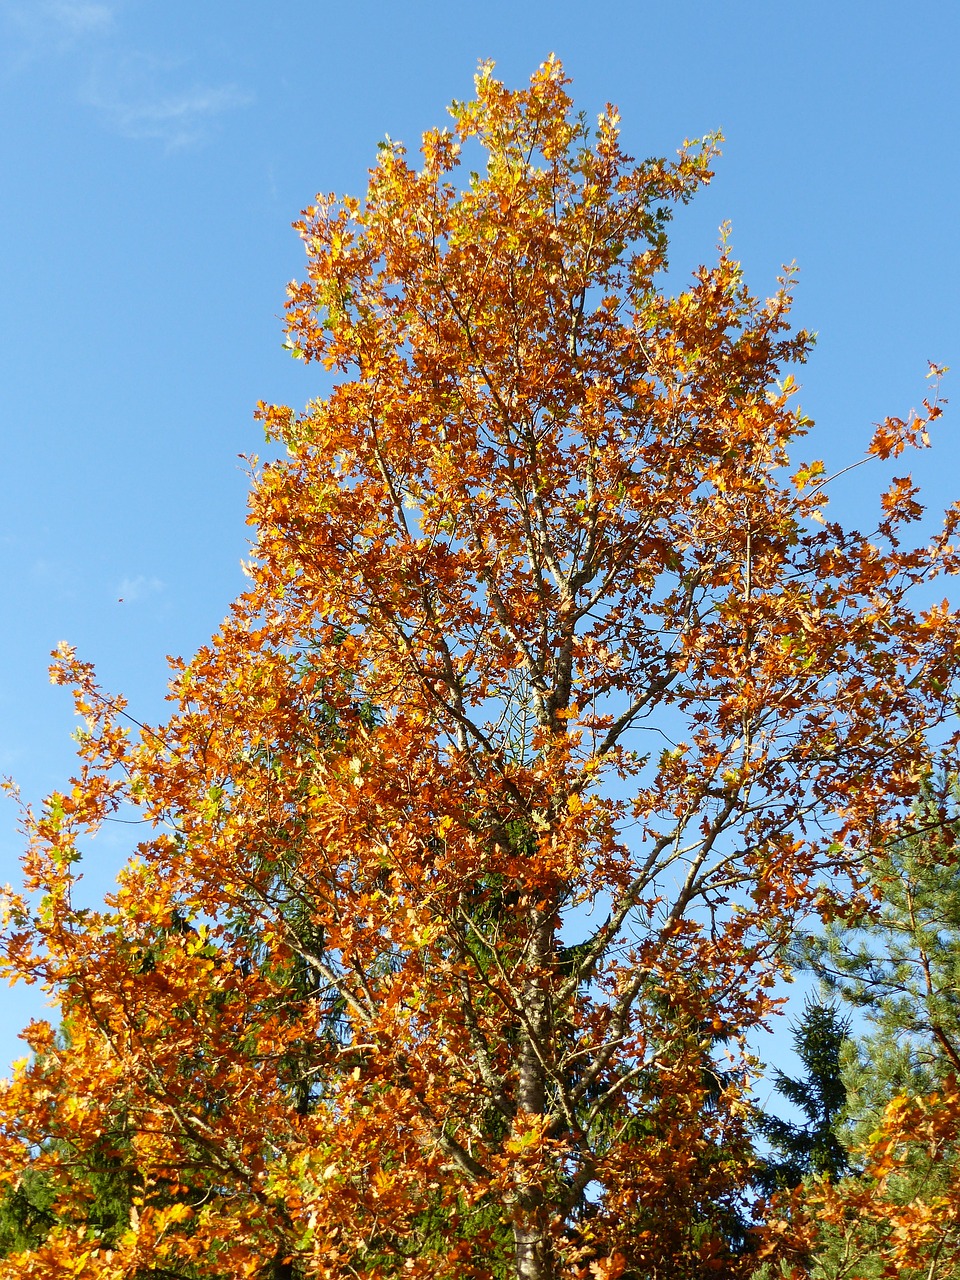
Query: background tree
(896, 961)
(820, 1096)
(640, 708)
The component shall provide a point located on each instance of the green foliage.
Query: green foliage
(898, 965)
(812, 1146)
(480, 1228)
(27, 1213)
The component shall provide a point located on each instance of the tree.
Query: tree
(640, 708)
(897, 962)
(812, 1147)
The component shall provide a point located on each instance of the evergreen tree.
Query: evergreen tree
(812, 1146)
(898, 963)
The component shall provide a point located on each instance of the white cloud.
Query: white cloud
(78, 15)
(57, 24)
(134, 95)
(138, 588)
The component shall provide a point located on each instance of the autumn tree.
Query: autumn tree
(467, 977)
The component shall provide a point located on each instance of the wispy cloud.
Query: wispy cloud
(137, 95)
(138, 588)
(53, 25)
(79, 16)
(177, 119)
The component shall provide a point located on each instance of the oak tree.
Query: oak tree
(555, 701)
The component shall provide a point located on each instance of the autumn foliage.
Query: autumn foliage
(475, 836)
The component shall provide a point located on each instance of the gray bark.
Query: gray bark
(532, 1214)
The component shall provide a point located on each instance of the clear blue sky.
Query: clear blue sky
(153, 155)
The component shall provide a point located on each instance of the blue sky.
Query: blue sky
(154, 154)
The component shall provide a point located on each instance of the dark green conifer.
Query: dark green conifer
(811, 1146)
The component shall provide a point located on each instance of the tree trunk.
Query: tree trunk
(533, 1248)
(531, 1224)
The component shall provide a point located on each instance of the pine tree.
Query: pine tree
(897, 964)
